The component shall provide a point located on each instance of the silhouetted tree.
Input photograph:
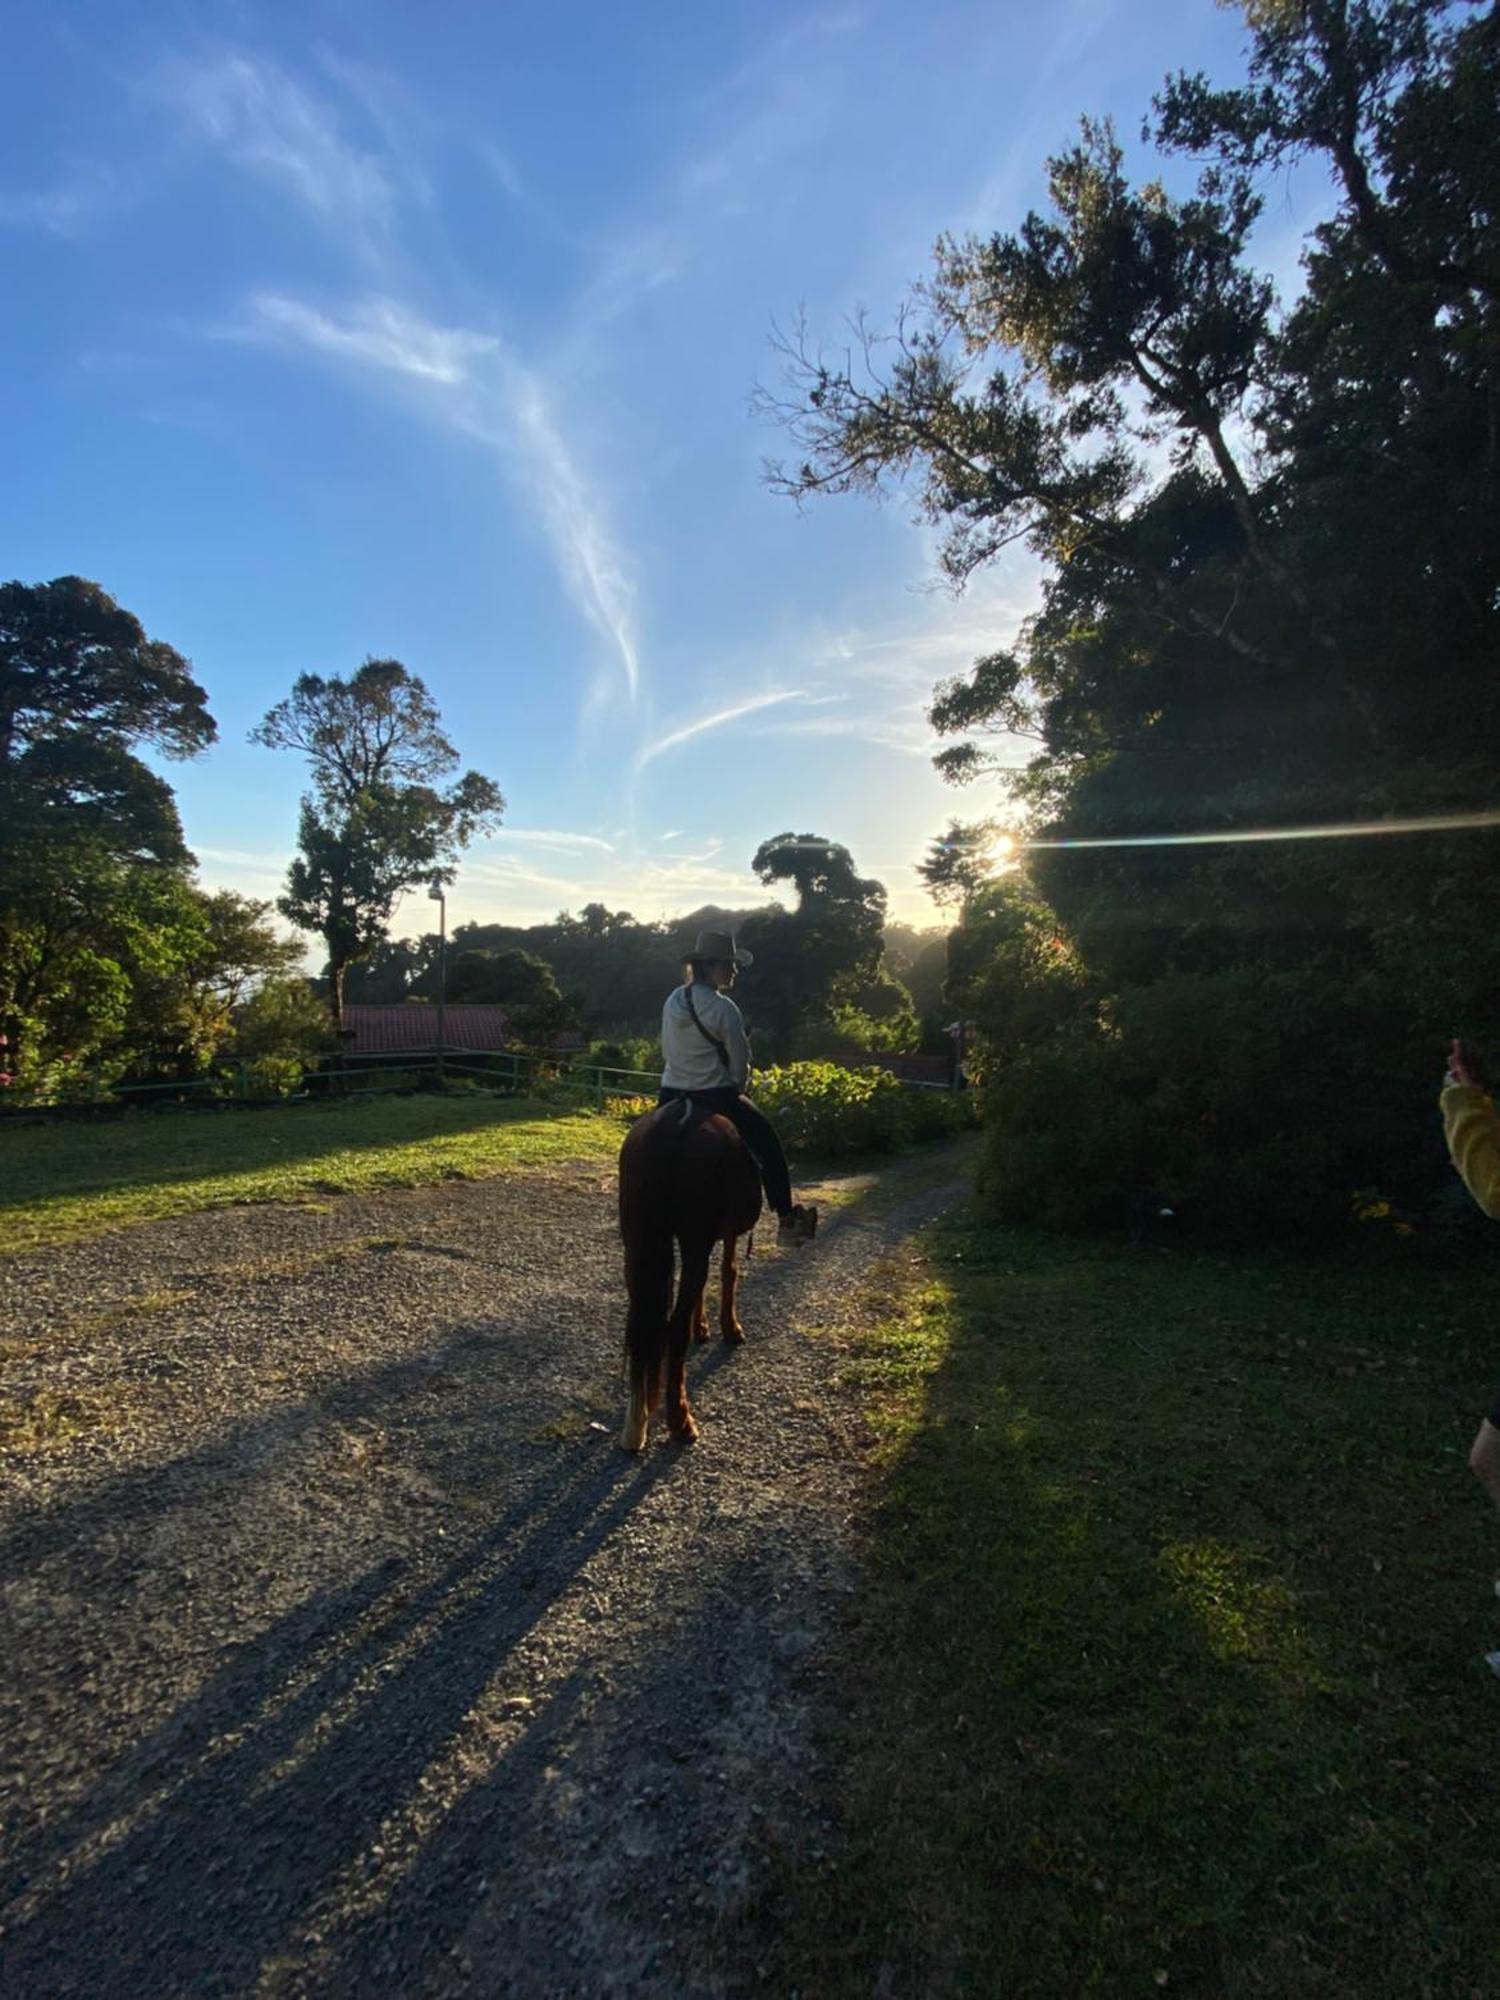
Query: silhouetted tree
(374, 824)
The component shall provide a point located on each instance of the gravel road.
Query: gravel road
(345, 1652)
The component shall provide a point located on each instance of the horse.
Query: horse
(690, 1179)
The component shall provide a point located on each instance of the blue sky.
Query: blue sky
(337, 329)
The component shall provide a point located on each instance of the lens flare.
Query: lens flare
(1352, 829)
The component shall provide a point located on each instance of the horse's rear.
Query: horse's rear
(687, 1181)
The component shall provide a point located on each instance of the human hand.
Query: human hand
(1459, 1069)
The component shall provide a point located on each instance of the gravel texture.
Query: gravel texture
(346, 1653)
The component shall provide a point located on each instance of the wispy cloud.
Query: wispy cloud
(486, 393)
(67, 207)
(592, 561)
(544, 837)
(267, 123)
(908, 733)
(378, 333)
(718, 720)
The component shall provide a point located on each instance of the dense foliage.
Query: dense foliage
(111, 953)
(831, 978)
(825, 1109)
(116, 964)
(375, 823)
(1271, 547)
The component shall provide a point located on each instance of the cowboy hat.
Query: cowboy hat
(719, 944)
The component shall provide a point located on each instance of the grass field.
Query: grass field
(60, 1182)
(1168, 1676)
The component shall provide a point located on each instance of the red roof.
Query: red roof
(404, 1030)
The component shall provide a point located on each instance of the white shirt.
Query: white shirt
(692, 1062)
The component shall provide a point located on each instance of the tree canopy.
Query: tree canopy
(1271, 588)
(375, 823)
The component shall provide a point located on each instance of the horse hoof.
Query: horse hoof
(684, 1433)
(700, 1334)
(633, 1436)
(734, 1333)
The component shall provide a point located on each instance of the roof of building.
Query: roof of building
(405, 1029)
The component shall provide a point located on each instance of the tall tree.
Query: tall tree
(81, 686)
(375, 823)
(524, 985)
(830, 940)
(1288, 615)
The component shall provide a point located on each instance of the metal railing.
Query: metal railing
(504, 1072)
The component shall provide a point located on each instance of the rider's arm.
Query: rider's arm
(731, 1025)
(1472, 1130)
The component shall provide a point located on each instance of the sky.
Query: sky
(336, 330)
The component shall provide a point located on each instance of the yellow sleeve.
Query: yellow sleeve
(1472, 1129)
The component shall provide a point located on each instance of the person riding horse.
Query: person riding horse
(707, 1055)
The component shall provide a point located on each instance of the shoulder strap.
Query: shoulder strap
(708, 1036)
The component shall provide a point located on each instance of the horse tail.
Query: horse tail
(646, 1226)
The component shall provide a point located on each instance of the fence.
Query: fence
(505, 1072)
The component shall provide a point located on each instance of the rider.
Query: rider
(708, 1059)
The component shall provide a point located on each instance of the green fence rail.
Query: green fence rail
(506, 1072)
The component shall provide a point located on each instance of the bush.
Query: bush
(1251, 1102)
(638, 1052)
(937, 1114)
(826, 1110)
(273, 1076)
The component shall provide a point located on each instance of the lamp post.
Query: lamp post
(435, 894)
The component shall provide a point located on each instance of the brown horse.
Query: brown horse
(688, 1178)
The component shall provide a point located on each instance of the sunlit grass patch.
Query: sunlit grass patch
(50, 1418)
(66, 1181)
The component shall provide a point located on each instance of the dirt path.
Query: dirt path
(344, 1650)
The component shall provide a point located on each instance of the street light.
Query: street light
(435, 895)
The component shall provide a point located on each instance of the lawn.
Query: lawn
(1168, 1672)
(60, 1182)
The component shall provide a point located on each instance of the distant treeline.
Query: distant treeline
(611, 974)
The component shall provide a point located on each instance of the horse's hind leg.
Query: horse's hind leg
(729, 1277)
(700, 1321)
(694, 1277)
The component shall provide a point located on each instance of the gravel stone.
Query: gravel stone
(344, 1650)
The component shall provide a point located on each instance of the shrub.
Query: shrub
(825, 1109)
(821, 1108)
(273, 1075)
(640, 1052)
(1252, 1102)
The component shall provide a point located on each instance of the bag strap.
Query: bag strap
(707, 1035)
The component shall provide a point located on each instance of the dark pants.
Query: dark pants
(754, 1128)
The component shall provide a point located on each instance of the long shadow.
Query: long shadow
(252, 1797)
(1194, 1692)
(192, 1861)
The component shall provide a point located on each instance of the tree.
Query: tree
(210, 949)
(523, 985)
(75, 666)
(833, 935)
(1271, 592)
(374, 824)
(281, 1021)
(80, 814)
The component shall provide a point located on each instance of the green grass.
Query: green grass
(1168, 1673)
(61, 1182)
